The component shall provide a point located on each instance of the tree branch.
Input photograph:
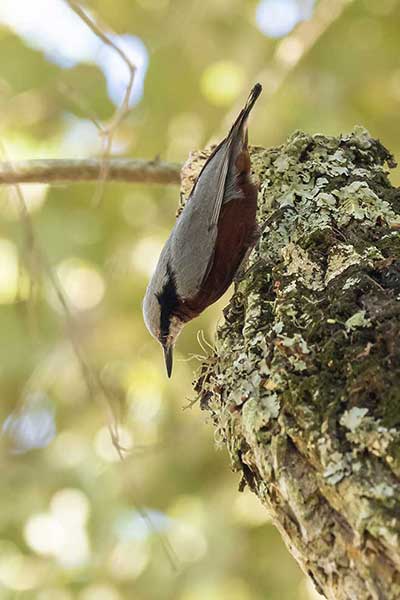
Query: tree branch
(303, 385)
(72, 171)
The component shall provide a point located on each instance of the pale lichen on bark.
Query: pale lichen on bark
(304, 386)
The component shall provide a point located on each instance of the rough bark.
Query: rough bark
(304, 383)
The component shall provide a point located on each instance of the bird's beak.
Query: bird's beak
(168, 356)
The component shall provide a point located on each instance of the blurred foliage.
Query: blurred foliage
(71, 522)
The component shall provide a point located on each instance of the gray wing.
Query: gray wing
(192, 242)
(193, 239)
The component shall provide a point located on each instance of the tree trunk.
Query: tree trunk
(304, 384)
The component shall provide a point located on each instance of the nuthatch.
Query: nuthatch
(210, 239)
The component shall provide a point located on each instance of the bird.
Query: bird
(212, 237)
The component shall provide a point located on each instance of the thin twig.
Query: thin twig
(99, 32)
(108, 131)
(35, 253)
(70, 171)
(28, 255)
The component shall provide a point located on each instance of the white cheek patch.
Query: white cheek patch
(175, 329)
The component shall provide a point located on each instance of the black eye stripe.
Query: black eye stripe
(168, 301)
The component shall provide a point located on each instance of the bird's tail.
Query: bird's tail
(244, 113)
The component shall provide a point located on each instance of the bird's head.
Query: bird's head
(159, 311)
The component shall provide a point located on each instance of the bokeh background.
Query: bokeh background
(167, 522)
